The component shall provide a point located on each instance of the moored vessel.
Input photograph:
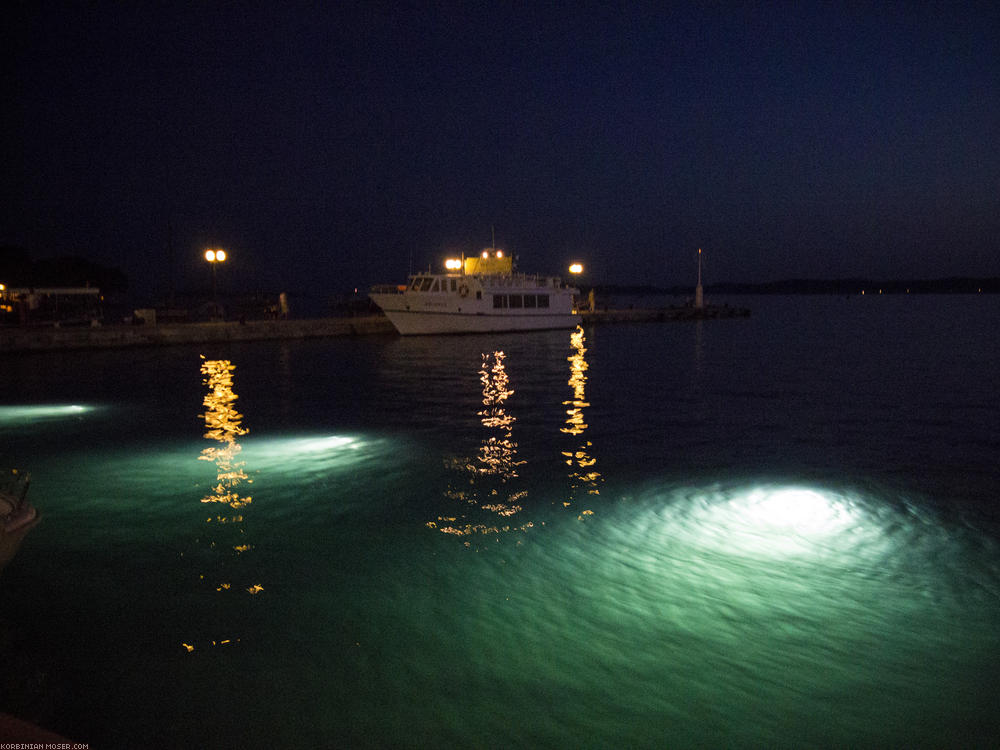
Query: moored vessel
(478, 294)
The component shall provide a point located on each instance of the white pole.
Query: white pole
(699, 295)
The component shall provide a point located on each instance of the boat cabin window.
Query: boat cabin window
(415, 286)
(479, 294)
(454, 284)
(435, 287)
(425, 285)
(514, 301)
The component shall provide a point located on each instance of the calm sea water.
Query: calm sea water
(778, 531)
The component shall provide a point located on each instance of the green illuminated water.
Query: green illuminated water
(779, 531)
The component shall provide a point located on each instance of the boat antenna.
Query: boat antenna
(493, 232)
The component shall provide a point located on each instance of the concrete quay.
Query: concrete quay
(662, 315)
(50, 338)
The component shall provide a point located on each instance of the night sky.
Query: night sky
(336, 145)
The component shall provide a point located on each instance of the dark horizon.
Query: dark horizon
(77, 272)
(337, 147)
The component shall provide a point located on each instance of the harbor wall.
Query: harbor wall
(49, 338)
(122, 336)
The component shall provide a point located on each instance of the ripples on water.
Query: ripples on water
(660, 536)
(758, 614)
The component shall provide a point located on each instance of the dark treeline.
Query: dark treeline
(18, 269)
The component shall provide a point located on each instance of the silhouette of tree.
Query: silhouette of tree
(17, 269)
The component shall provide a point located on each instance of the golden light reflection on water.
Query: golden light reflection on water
(498, 453)
(494, 466)
(583, 476)
(224, 425)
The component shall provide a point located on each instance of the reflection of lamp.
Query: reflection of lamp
(214, 257)
(580, 459)
(224, 424)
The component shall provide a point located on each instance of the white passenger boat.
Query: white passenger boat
(477, 295)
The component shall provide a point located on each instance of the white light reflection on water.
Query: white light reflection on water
(772, 521)
(311, 455)
(20, 414)
(776, 612)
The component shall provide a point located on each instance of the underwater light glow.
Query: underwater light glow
(324, 444)
(796, 510)
(776, 521)
(288, 450)
(42, 411)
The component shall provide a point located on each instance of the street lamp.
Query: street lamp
(576, 268)
(214, 257)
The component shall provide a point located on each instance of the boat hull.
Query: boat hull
(419, 322)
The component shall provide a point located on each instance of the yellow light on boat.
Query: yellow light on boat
(453, 264)
(576, 268)
(499, 253)
(220, 255)
(486, 254)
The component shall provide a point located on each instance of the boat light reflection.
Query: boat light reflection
(582, 475)
(498, 453)
(494, 467)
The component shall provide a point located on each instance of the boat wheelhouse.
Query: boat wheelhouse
(477, 295)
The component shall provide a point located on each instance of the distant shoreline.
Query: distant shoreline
(953, 285)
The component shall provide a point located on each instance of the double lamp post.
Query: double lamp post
(214, 258)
